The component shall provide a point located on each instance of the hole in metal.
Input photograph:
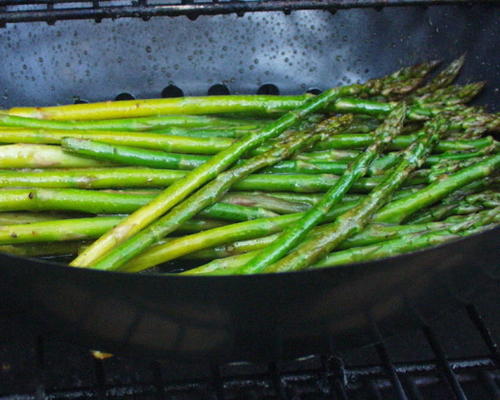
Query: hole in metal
(268, 88)
(314, 91)
(172, 91)
(218, 89)
(124, 96)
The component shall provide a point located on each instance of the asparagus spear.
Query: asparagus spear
(254, 105)
(328, 155)
(266, 201)
(402, 81)
(353, 141)
(160, 159)
(244, 230)
(398, 211)
(15, 218)
(133, 155)
(451, 95)
(78, 229)
(410, 242)
(42, 249)
(207, 132)
(444, 78)
(163, 253)
(130, 124)
(487, 198)
(374, 233)
(124, 177)
(42, 156)
(311, 199)
(213, 191)
(296, 232)
(36, 199)
(59, 230)
(192, 145)
(355, 219)
(177, 192)
(176, 144)
(450, 203)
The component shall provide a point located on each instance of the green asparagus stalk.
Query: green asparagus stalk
(95, 202)
(266, 201)
(311, 199)
(445, 168)
(55, 231)
(443, 78)
(374, 233)
(130, 124)
(412, 242)
(398, 211)
(451, 95)
(124, 177)
(487, 199)
(42, 156)
(227, 234)
(16, 218)
(399, 245)
(133, 155)
(328, 155)
(354, 220)
(474, 124)
(176, 144)
(207, 132)
(43, 249)
(296, 232)
(192, 145)
(400, 82)
(177, 192)
(159, 159)
(179, 247)
(450, 203)
(214, 191)
(353, 141)
(260, 105)
(382, 164)
(78, 229)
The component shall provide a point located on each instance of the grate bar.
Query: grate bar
(389, 366)
(335, 375)
(485, 333)
(145, 10)
(443, 363)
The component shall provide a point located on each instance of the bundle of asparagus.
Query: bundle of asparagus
(251, 184)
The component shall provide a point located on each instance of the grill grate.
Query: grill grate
(47, 369)
(51, 11)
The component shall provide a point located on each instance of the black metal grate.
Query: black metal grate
(51, 11)
(455, 358)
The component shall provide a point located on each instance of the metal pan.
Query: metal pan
(250, 317)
